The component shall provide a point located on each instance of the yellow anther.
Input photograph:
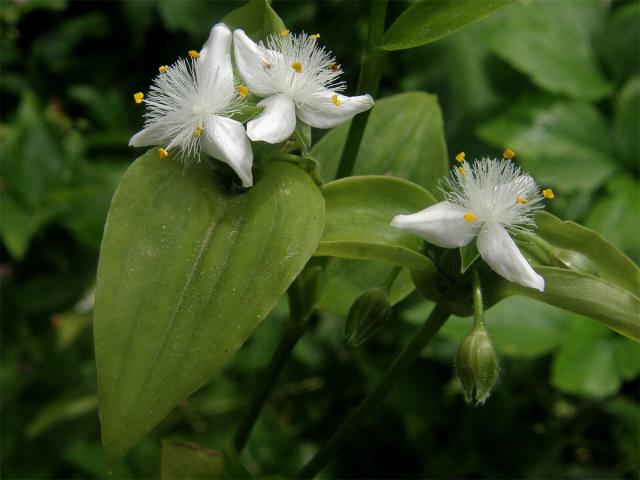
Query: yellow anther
(461, 170)
(194, 54)
(198, 132)
(162, 153)
(297, 66)
(508, 153)
(334, 67)
(284, 33)
(163, 68)
(548, 193)
(522, 200)
(315, 36)
(137, 97)
(460, 157)
(243, 91)
(470, 217)
(335, 100)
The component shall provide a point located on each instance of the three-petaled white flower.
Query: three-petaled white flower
(299, 79)
(189, 105)
(484, 201)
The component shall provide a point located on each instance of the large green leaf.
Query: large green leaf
(359, 214)
(428, 20)
(404, 137)
(627, 122)
(620, 41)
(256, 18)
(181, 460)
(187, 270)
(551, 42)
(584, 294)
(557, 142)
(582, 249)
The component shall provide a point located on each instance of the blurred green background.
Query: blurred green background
(558, 82)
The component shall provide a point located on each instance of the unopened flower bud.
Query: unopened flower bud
(477, 366)
(367, 316)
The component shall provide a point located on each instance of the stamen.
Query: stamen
(243, 91)
(315, 36)
(548, 193)
(162, 153)
(335, 100)
(284, 33)
(297, 66)
(198, 131)
(163, 68)
(137, 97)
(461, 170)
(194, 54)
(508, 154)
(522, 200)
(470, 217)
(460, 157)
(334, 67)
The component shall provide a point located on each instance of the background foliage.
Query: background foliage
(558, 82)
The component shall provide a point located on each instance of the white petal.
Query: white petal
(503, 256)
(215, 57)
(276, 123)
(320, 111)
(149, 136)
(442, 224)
(226, 140)
(251, 65)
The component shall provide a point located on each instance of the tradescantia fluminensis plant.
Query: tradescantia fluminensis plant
(223, 215)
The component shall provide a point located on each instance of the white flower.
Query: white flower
(298, 78)
(484, 201)
(189, 105)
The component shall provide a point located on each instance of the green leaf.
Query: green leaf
(256, 18)
(551, 42)
(195, 18)
(345, 280)
(181, 460)
(626, 122)
(468, 255)
(616, 215)
(187, 270)
(590, 361)
(409, 145)
(59, 411)
(359, 214)
(580, 293)
(620, 41)
(582, 249)
(426, 21)
(558, 143)
(519, 326)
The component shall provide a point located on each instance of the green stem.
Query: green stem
(296, 327)
(478, 312)
(403, 361)
(368, 82)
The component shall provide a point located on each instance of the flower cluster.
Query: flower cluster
(484, 202)
(191, 103)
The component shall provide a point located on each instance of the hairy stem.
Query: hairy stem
(403, 361)
(478, 307)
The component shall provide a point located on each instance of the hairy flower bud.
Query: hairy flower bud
(367, 316)
(477, 366)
